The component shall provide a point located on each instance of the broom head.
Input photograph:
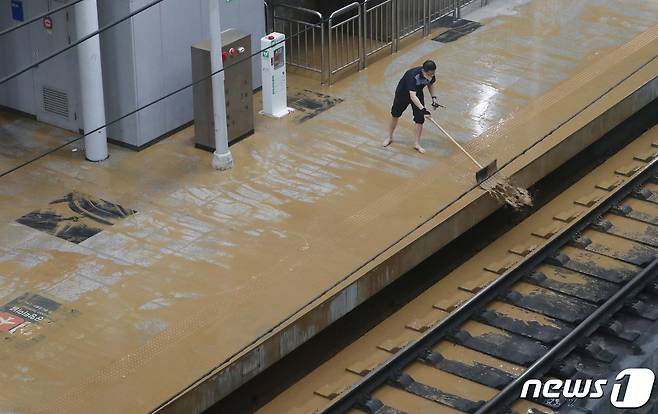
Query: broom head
(486, 172)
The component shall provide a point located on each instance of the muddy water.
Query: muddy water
(22, 139)
(503, 190)
(275, 232)
(447, 290)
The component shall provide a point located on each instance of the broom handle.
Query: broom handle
(455, 142)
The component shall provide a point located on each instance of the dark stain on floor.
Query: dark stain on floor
(458, 28)
(75, 217)
(309, 104)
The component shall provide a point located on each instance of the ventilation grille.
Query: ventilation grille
(56, 102)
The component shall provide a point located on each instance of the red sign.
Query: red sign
(48, 22)
(9, 321)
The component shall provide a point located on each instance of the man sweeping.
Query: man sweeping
(410, 92)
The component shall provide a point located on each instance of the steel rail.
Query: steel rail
(509, 394)
(360, 392)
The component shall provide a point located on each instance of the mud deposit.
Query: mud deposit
(503, 190)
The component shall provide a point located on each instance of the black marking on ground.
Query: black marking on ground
(75, 217)
(647, 235)
(552, 304)
(589, 264)
(374, 406)
(644, 193)
(615, 345)
(477, 372)
(531, 329)
(625, 327)
(310, 103)
(458, 28)
(644, 306)
(598, 350)
(509, 347)
(576, 364)
(652, 288)
(625, 210)
(594, 290)
(627, 250)
(407, 383)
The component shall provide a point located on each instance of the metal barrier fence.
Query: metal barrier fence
(305, 37)
(350, 36)
(269, 18)
(345, 39)
(441, 8)
(411, 17)
(378, 27)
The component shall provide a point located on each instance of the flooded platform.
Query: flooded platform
(153, 283)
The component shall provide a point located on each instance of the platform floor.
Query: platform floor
(413, 318)
(144, 273)
(23, 138)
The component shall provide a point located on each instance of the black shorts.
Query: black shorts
(400, 104)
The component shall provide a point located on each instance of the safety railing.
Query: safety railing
(305, 36)
(269, 18)
(350, 36)
(411, 17)
(442, 8)
(345, 39)
(378, 27)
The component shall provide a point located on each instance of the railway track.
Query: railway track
(569, 292)
(564, 311)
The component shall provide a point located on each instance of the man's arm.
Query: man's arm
(415, 100)
(430, 88)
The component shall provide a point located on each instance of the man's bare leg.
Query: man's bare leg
(417, 146)
(391, 129)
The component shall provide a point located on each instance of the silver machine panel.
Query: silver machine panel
(236, 51)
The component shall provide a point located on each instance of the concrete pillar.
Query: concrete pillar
(91, 81)
(221, 159)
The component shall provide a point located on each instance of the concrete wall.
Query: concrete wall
(162, 37)
(143, 59)
(15, 53)
(27, 45)
(118, 69)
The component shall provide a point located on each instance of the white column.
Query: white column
(221, 159)
(91, 81)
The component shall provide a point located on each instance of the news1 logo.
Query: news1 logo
(632, 388)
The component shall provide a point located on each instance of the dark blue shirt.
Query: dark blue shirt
(413, 80)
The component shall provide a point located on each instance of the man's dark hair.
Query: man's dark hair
(429, 65)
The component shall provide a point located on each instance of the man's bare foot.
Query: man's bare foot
(387, 142)
(420, 149)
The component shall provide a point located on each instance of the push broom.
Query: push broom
(483, 173)
(499, 187)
